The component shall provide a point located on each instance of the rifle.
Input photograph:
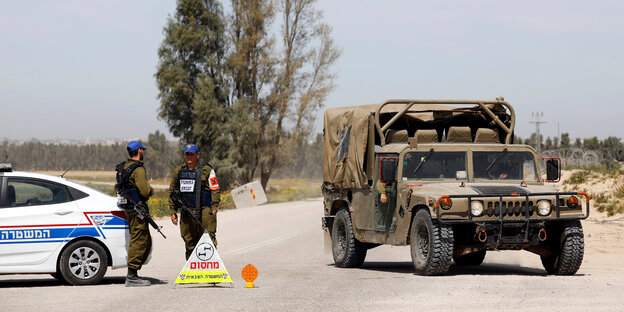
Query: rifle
(180, 202)
(141, 211)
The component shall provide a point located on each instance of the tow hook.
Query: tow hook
(480, 235)
(542, 235)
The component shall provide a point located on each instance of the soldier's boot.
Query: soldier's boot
(133, 279)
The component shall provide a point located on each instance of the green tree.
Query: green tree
(548, 144)
(161, 156)
(192, 80)
(565, 140)
(578, 143)
(252, 65)
(283, 89)
(591, 143)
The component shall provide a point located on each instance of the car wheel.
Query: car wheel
(431, 245)
(83, 262)
(474, 258)
(568, 253)
(348, 252)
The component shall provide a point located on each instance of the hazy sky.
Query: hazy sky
(76, 69)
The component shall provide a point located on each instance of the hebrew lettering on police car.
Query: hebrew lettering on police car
(19, 234)
(29, 234)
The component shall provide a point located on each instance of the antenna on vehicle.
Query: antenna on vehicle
(66, 171)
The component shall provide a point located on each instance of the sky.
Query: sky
(76, 69)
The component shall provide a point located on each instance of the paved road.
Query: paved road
(285, 242)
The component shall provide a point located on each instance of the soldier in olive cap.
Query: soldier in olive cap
(132, 181)
(198, 186)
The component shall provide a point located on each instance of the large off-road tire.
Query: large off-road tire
(83, 262)
(431, 245)
(474, 258)
(568, 251)
(347, 250)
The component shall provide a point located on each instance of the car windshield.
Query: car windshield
(504, 165)
(434, 165)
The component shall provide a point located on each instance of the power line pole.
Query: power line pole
(538, 123)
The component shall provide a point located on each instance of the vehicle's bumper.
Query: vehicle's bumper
(505, 213)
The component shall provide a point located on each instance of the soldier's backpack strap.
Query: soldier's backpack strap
(123, 174)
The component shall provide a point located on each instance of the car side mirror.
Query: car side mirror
(387, 169)
(553, 169)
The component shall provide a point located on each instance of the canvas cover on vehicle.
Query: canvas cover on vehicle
(346, 131)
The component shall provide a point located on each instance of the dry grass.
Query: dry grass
(284, 190)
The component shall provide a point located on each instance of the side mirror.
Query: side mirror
(387, 169)
(553, 169)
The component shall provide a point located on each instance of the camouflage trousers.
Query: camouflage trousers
(140, 241)
(191, 232)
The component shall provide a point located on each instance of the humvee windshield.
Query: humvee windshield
(504, 165)
(436, 165)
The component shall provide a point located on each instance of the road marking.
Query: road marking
(268, 242)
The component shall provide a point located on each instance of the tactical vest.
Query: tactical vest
(189, 180)
(123, 184)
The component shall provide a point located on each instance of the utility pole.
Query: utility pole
(538, 123)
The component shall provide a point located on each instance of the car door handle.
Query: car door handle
(62, 213)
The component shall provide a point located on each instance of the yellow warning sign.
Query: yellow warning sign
(204, 266)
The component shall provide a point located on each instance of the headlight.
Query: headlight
(543, 207)
(476, 208)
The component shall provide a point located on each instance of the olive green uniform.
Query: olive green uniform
(140, 238)
(190, 231)
(384, 212)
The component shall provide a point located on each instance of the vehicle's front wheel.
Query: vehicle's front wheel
(567, 253)
(475, 258)
(83, 263)
(431, 245)
(348, 252)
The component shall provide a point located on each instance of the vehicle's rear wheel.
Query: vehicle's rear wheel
(474, 258)
(83, 263)
(348, 252)
(431, 245)
(567, 252)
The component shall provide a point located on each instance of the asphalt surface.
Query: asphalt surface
(285, 242)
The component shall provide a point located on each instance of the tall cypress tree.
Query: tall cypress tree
(192, 82)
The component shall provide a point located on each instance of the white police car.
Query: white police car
(52, 225)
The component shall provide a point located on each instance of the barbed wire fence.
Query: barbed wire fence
(577, 157)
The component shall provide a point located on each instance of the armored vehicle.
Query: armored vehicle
(445, 178)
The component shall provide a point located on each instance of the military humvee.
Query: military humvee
(456, 186)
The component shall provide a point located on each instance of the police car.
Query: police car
(52, 225)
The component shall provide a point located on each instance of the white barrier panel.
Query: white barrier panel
(249, 195)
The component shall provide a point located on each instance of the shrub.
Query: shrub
(578, 177)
